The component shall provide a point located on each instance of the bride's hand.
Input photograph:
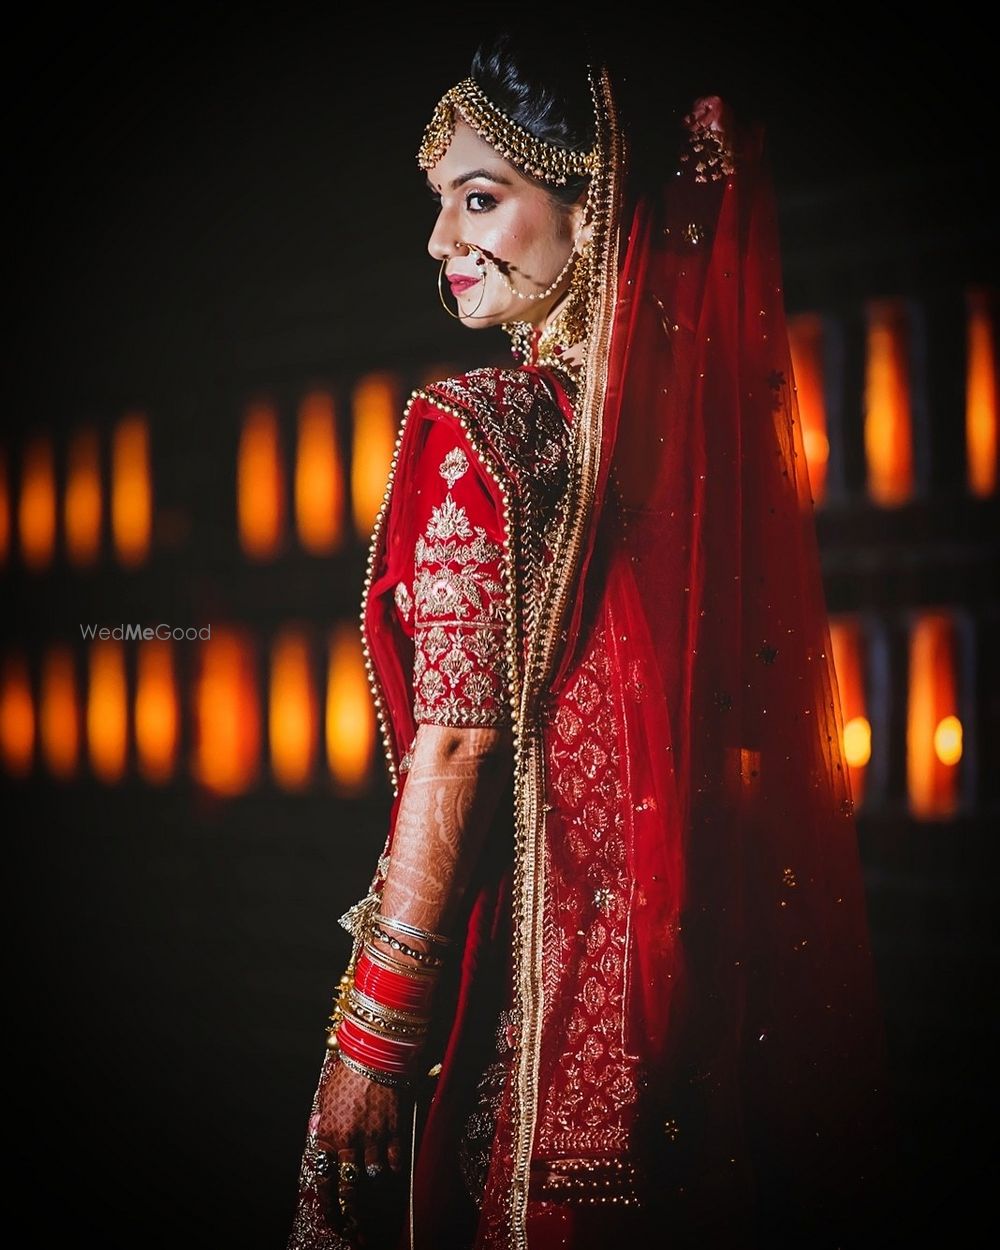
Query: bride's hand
(357, 1123)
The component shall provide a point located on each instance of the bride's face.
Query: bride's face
(486, 201)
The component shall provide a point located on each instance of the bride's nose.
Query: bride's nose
(442, 244)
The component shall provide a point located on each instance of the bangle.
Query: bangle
(386, 1028)
(374, 1074)
(373, 1015)
(390, 989)
(365, 1003)
(390, 1055)
(382, 1021)
(410, 971)
(405, 927)
(424, 957)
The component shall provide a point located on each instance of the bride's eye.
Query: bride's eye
(479, 195)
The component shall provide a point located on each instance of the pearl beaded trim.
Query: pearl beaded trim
(534, 156)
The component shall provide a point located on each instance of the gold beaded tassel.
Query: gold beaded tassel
(340, 1003)
(359, 916)
(357, 921)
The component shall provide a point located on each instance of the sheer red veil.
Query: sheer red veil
(751, 1000)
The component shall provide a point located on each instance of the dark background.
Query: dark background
(203, 203)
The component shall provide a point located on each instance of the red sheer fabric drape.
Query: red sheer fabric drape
(750, 993)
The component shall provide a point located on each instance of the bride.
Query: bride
(612, 977)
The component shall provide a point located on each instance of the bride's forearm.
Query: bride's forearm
(455, 779)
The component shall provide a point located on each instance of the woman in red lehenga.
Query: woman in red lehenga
(612, 978)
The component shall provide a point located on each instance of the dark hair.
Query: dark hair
(546, 92)
(540, 81)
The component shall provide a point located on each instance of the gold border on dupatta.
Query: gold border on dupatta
(586, 438)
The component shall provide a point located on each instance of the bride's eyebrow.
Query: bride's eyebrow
(473, 173)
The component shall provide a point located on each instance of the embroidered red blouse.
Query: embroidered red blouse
(451, 600)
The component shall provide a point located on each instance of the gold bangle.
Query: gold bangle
(412, 971)
(413, 930)
(372, 1005)
(385, 1028)
(424, 957)
(374, 1074)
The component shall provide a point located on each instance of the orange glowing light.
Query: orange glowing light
(59, 713)
(107, 710)
(858, 741)
(82, 504)
(4, 508)
(131, 489)
(933, 729)
(350, 717)
(227, 714)
(156, 714)
(948, 740)
(260, 482)
(17, 716)
(805, 337)
(981, 393)
(847, 643)
(36, 516)
(319, 475)
(375, 424)
(888, 420)
(292, 711)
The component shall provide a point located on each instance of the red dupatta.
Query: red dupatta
(696, 1012)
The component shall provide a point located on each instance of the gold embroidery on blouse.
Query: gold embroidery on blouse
(459, 675)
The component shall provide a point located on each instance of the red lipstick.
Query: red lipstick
(460, 283)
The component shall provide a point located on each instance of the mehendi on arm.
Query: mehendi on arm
(456, 777)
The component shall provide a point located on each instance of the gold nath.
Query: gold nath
(532, 156)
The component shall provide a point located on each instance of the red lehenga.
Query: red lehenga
(665, 1026)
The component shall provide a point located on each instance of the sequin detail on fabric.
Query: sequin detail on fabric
(514, 412)
(479, 1129)
(591, 1099)
(459, 600)
(404, 601)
